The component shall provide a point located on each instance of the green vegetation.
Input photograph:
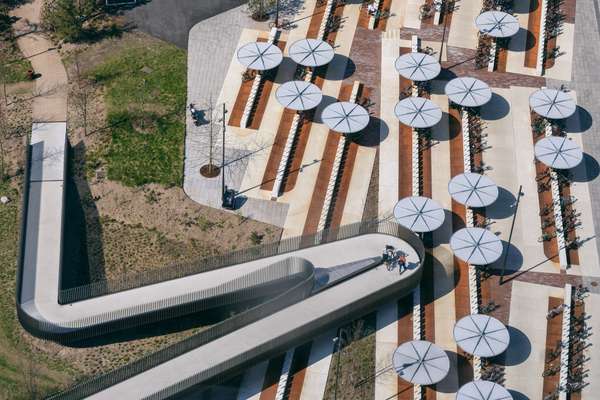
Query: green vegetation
(145, 95)
(24, 374)
(72, 21)
(356, 361)
(13, 68)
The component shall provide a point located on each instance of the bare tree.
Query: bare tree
(31, 375)
(81, 94)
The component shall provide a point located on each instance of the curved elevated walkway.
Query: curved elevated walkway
(317, 283)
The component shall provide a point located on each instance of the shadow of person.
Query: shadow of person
(587, 170)
(496, 108)
(503, 207)
(518, 351)
(579, 122)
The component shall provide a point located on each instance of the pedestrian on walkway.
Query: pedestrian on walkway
(401, 261)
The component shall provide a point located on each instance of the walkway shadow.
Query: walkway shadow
(587, 171)
(82, 229)
(179, 324)
(496, 108)
(518, 351)
(503, 207)
(579, 122)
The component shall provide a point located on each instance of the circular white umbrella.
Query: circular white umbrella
(260, 56)
(476, 246)
(299, 95)
(311, 52)
(345, 117)
(481, 335)
(468, 92)
(473, 190)
(483, 390)
(419, 214)
(558, 152)
(421, 362)
(497, 24)
(418, 112)
(418, 66)
(552, 103)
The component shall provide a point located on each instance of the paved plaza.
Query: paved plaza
(298, 172)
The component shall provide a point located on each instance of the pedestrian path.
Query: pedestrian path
(50, 95)
(319, 362)
(463, 32)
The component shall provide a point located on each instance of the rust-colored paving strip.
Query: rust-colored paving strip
(315, 20)
(235, 117)
(428, 299)
(269, 389)
(244, 92)
(568, 9)
(264, 93)
(572, 253)
(550, 45)
(343, 185)
(577, 312)
(277, 149)
(461, 269)
(405, 334)
(545, 200)
(363, 17)
(553, 337)
(502, 58)
(381, 23)
(427, 22)
(346, 172)
(318, 196)
(240, 103)
(298, 371)
(291, 177)
(533, 38)
(326, 165)
(295, 162)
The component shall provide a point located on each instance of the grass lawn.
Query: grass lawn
(145, 95)
(19, 364)
(16, 69)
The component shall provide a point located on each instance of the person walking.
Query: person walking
(402, 262)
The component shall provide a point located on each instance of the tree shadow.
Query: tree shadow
(82, 229)
(497, 108)
(518, 351)
(579, 122)
(503, 207)
(587, 171)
